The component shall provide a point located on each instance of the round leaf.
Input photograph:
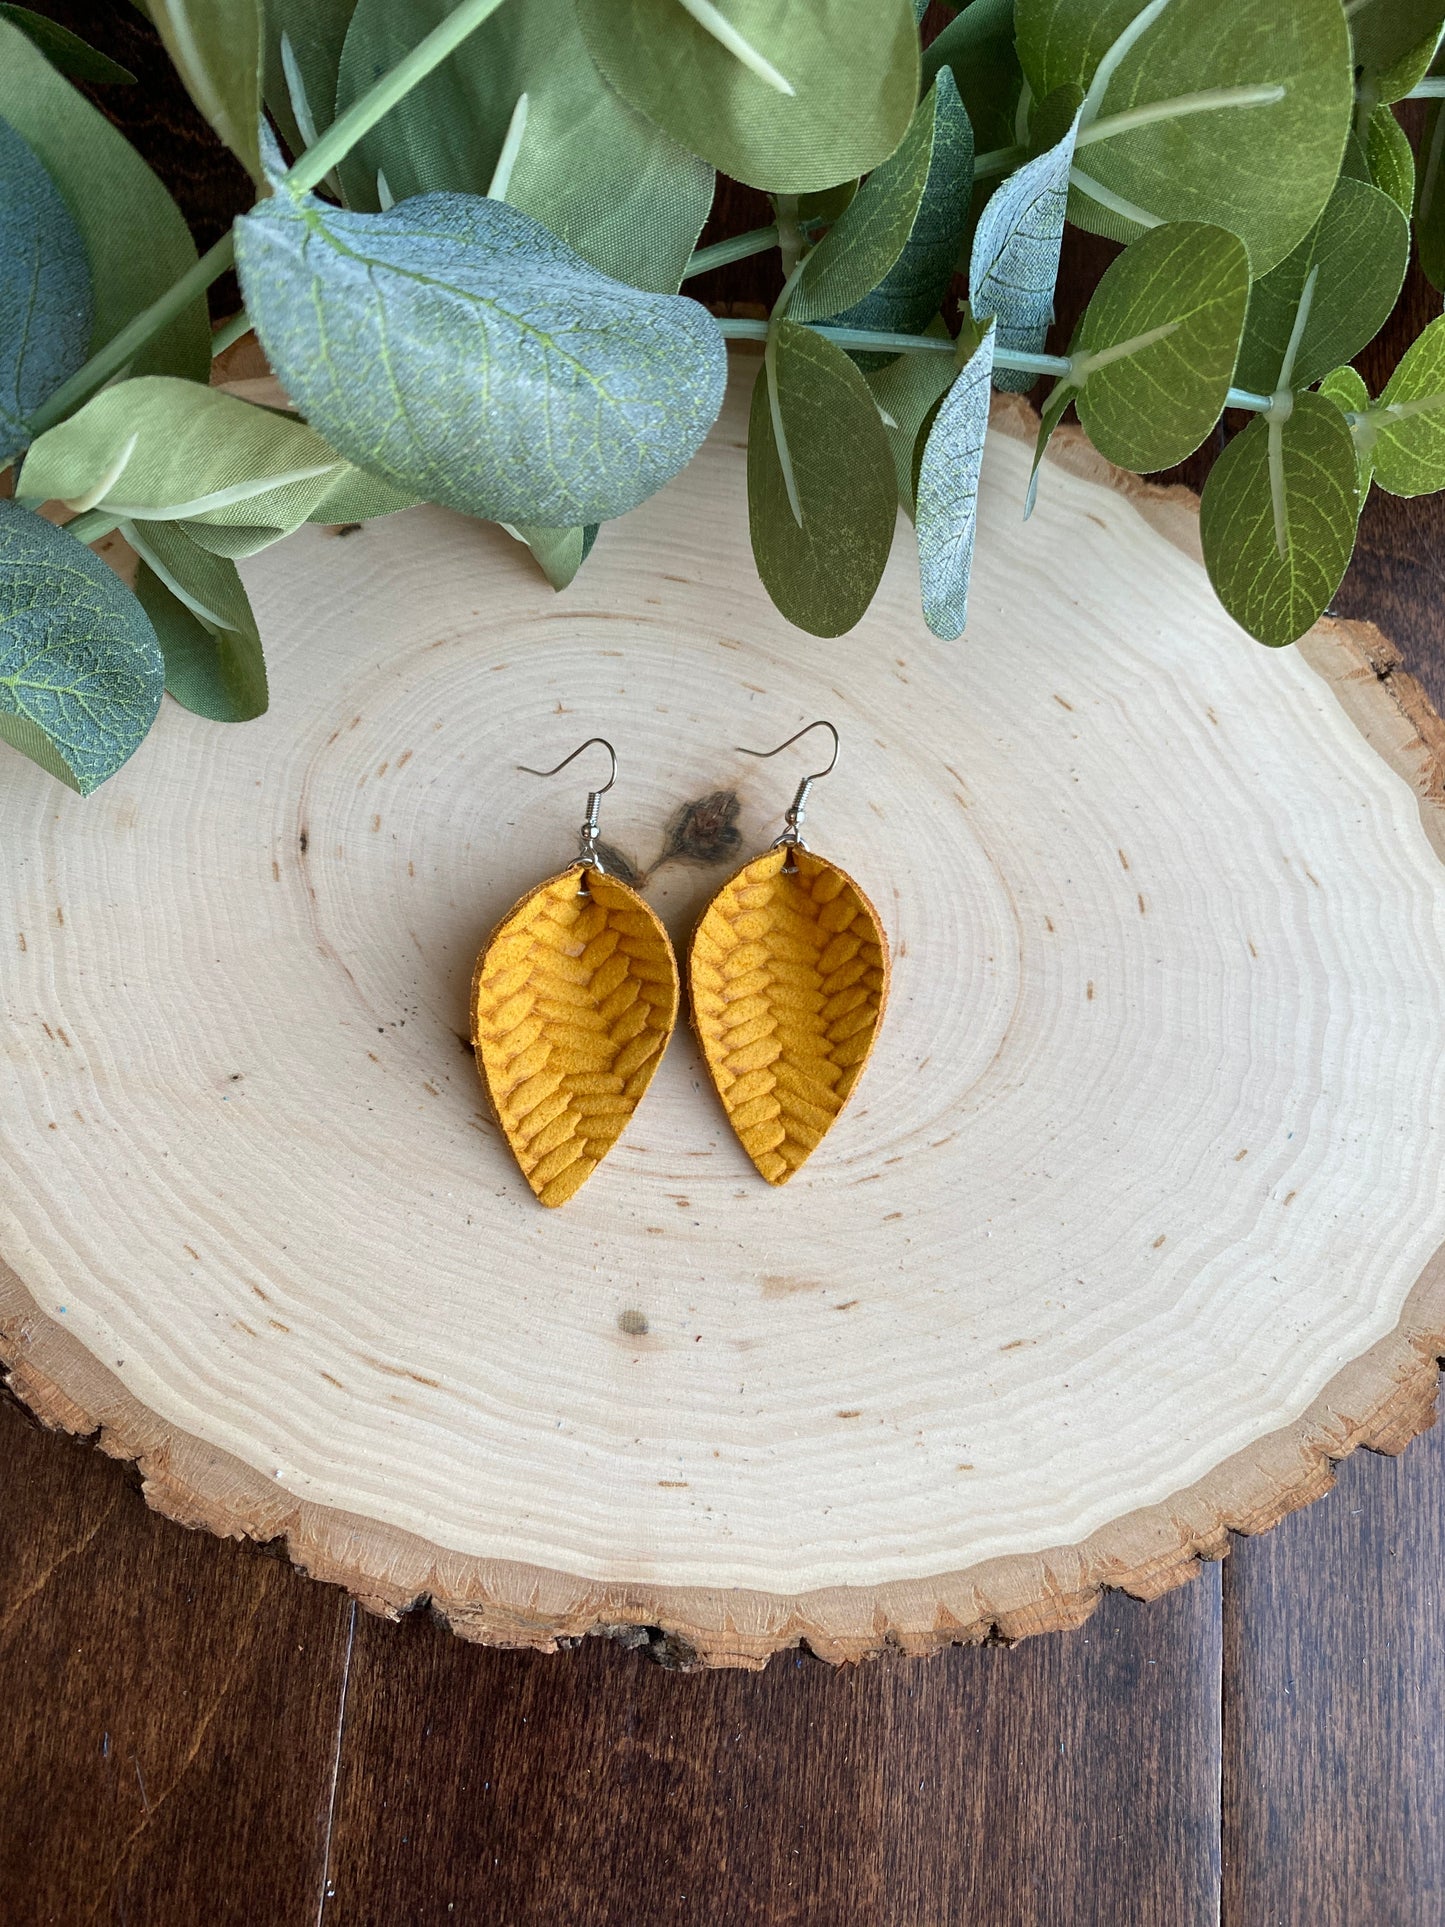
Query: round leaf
(820, 570)
(1158, 341)
(851, 66)
(1391, 159)
(590, 167)
(1408, 421)
(1345, 387)
(80, 669)
(459, 350)
(1278, 525)
(44, 290)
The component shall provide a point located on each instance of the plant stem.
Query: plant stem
(93, 525)
(230, 332)
(737, 248)
(1432, 87)
(1181, 106)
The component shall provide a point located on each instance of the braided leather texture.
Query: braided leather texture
(789, 976)
(573, 1000)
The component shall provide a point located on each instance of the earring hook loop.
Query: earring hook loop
(587, 835)
(792, 837)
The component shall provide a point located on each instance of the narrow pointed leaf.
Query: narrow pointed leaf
(1360, 246)
(948, 494)
(215, 47)
(978, 46)
(1409, 419)
(851, 65)
(1430, 196)
(202, 617)
(1055, 407)
(135, 240)
(1278, 595)
(67, 53)
(44, 290)
(560, 553)
(1014, 262)
(822, 573)
(80, 669)
(1345, 387)
(887, 261)
(1178, 292)
(906, 390)
(607, 181)
(315, 31)
(1391, 159)
(426, 344)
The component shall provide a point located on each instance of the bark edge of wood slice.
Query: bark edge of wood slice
(216, 1367)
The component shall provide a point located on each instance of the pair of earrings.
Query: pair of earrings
(576, 994)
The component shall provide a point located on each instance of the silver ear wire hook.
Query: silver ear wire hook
(792, 837)
(587, 835)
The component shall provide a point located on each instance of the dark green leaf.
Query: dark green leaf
(1408, 421)
(590, 167)
(202, 617)
(822, 570)
(979, 48)
(1359, 246)
(1278, 528)
(429, 343)
(1158, 343)
(1262, 170)
(67, 53)
(1391, 159)
(851, 66)
(948, 494)
(80, 670)
(1430, 196)
(887, 261)
(906, 391)
(215, 46)
(1393, 43)
(135, 239)
(1015, 257)
(44, 290)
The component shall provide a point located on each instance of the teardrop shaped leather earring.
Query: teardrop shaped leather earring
(788, 971)
(573, 1000)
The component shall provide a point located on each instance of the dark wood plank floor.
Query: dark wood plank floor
(194, 1733)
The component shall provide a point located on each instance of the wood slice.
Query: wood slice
(1131, 1228)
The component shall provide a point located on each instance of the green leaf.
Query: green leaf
(1014, 262)
(1430, 196)
(1408, 421)
(978, 47)
(822, 566)
(1157, 346)
(1391, 159)
(215, 47)
(202, 618)
(851, 67)
(887, 261)
(135, 239)
(67, 53)
(314, 31)
(430, 344)
(157, 449)
(1056, 405)
(1263, 170)
(590, 167)
(1345, 387)
(906, 391)
(44, 290)
(1277, 520)
(1394, 41)
(1360, 246)
(948, 494)
(80, 669)
(560, 553)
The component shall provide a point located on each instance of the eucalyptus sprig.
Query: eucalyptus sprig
(466, 269)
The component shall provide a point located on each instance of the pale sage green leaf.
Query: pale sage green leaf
(1408, 421)
(203, 620)
(1391, 159)
(456, 348)
(1357, 253)
(1014, 262)
(560, 553)
(314, 32)
(822, 565)
(67, 53)
(850, 67)
(1345, 387)
(1262, 163)
(44, 290)
(888, 259)
(1394, 42)
(80, 669)
(948, 493)
(135, 240)
(215, 47)
(906, 390)
(157, 449)
(1278, 525)
(978, 46)
(592, 168)
(1156, 351)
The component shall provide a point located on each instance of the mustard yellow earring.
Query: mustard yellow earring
(573, 999)
(788, 972)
